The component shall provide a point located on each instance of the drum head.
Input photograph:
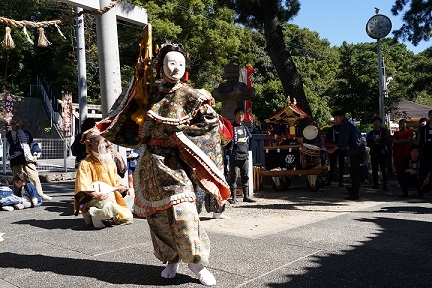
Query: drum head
(310, 132)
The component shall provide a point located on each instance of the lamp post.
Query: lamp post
(377, 27)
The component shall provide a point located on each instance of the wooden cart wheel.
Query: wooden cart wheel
(313, 188)
(284, 184)
(321, 181)
(281, 186)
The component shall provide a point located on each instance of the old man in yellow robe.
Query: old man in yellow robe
(97, 185)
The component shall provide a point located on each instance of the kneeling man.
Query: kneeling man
(97, 185)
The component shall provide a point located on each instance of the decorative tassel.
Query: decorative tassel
(58, 29)
(8, 41)
(27, 35)
(42, 41)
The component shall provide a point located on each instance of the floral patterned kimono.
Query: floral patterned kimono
(164, 178)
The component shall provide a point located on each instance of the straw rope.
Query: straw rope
(30, 24)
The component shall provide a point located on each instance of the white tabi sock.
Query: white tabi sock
(170, 270)
(206, 277)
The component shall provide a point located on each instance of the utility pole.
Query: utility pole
(108, 53)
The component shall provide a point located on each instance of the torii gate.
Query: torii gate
(107, 43)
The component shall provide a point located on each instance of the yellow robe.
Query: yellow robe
(91, 170)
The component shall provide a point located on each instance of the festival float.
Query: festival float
(294, 147)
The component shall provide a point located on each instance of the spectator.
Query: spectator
(27, 191)
(425, 141)
(78, 149)
(132, 156)
(8, 200)
(417, 135)
(95, 203)
(379, 141)
(238, 152)
(337, 159)
(402, 140)
(365, 164)
(21, 157)
(414, 172)
(350, 141)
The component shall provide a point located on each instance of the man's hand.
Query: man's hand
(411, 171)
(100, 196)
(122, 189)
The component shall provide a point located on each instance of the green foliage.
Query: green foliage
(417, 19)
(46, 124)
(208, 33)
(343, 77)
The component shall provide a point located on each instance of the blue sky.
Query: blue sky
(345, 20)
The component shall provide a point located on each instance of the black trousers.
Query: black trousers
(243, 165)
(355, 161)
(407, 180)
(337, 157)
(380, 162)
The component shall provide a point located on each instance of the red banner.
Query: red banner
(245, 74)
(67, 115)
(8, 111)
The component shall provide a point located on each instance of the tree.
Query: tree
(316, 63)
(417, 20)
(420, 90)
(207, 31)
(357, 89)
(270, 15)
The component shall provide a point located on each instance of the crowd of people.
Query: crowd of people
(405, 153)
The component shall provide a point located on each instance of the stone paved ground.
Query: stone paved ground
(282, 210)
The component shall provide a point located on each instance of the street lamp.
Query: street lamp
(377, 27)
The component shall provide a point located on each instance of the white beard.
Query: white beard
(104, 156)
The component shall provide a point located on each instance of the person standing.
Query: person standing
(337, 159)
(417, 135)
(350, 141)
(379, 141)
(402, 140)
(21, 157)
(239, 157)
(132, 156)
(425, 141)
(181, 149)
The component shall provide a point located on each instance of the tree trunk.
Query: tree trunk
(281, 57)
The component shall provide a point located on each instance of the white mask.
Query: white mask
(423, 123)
(174, 66)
